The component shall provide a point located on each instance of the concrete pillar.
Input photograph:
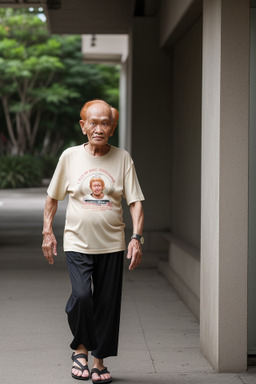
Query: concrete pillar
(224, 215)
(124, 131)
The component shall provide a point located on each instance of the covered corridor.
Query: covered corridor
(188, 122)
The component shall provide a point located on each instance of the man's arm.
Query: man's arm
(49, 245)
(134, 248)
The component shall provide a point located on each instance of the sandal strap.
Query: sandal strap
(102, 372)
(82, 369)
(80, 356)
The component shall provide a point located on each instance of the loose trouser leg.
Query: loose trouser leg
(107, 285)
(79, 307)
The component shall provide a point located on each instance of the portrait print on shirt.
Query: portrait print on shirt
(97, 189)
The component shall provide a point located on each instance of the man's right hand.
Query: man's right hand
(49, 246)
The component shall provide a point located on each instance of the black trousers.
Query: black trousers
(94, 305)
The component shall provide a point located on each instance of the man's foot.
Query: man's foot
(80, 369)
(100, 374)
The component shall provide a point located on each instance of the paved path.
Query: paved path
(159, 337)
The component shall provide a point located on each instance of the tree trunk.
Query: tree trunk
(35, 127)
(46, 142)
(21, 135)
(9, 124)
(27, 125)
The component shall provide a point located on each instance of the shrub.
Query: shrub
(20, 172)
(48, 164)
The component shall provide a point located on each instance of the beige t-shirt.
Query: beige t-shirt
(95, 225)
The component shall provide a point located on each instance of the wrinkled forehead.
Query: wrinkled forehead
(98, 110)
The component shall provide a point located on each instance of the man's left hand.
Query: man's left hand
(134, 253)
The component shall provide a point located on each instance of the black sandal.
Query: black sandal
(102, 372)
(81, 367)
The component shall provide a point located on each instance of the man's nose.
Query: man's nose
(98, 128)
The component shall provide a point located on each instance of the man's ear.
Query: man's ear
(82, 125)
(113, 129)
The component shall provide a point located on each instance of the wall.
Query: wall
(252, 194)
(186, 137)
(183, 269)
(150, 97)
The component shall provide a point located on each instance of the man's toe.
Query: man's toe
(76, 372)
(106, 376)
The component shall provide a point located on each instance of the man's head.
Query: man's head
(99, 121)
(113, 112)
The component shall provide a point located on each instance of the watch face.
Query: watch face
(142, 240)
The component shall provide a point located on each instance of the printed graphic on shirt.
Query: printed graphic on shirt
(96, 187)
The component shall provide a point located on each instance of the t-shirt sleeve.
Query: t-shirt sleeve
(58, 186)
(132, 190)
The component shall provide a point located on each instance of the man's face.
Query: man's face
(97, 188)
(97, 126)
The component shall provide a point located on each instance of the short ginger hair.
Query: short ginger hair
(114, 114)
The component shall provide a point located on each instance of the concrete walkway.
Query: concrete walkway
(159, 337)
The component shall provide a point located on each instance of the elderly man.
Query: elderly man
(94, 241)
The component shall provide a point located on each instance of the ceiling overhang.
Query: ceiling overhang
(108, 49)
(90, 16)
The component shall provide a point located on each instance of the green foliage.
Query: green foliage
(25, 171)
(87, 82)
(48, 165)
(44, 83)
(29, 60)
(20, 172)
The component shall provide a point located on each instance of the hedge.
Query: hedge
(25, 171)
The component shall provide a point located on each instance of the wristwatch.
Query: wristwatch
(138, 237)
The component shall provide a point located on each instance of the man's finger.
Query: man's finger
(133, 259)
(50, 260)
(131, 266)
(129, 253)
(55, 248)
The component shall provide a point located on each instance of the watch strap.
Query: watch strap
(138, 237)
